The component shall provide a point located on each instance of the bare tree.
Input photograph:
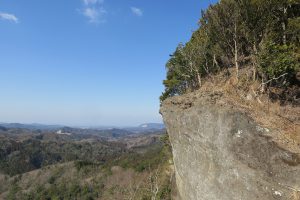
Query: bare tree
(154, 183)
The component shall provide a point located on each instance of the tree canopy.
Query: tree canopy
(238, 33)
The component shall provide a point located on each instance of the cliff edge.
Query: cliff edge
(222, 152)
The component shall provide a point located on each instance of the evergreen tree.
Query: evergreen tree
(239, 33)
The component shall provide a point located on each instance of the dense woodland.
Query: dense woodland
(34, 153)
(48, 165)
(261, 36)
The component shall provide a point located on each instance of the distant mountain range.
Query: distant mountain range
(34, 126)
(147, 127)
(152, 126)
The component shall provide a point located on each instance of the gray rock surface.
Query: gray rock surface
(220, 153)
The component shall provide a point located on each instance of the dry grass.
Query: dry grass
(246, 94)
(295, 195)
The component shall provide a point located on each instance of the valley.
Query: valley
(75, 163)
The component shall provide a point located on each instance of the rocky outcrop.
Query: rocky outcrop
(221, 153)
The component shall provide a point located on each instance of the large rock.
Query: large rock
(220, 153)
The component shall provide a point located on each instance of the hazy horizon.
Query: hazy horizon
(80, 126)
(88, 62)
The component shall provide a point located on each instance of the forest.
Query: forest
(257, 36)
(41, 164)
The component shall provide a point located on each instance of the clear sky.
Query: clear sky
(88, 62)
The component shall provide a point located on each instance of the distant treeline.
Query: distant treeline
(19, 157)
(258, 34)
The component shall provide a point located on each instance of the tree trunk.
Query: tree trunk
(254, 63)
(284, 25)
(254, 72)
(198, 78)
(236, 58)
(236, 51)
(186, 86)
(216, 62)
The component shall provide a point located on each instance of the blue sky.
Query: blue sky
(88, 62)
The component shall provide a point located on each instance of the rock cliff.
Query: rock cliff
(221, 153)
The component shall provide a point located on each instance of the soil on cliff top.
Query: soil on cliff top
(268, 107)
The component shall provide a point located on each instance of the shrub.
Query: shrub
(276, 60)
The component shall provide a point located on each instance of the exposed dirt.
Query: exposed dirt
(266, 107)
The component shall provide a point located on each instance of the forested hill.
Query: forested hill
(233, 35)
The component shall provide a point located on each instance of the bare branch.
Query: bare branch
(273, 79)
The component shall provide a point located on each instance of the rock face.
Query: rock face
(220, 153)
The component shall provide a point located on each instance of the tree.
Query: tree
(225, 29)
(177, 81)
(238, 33)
